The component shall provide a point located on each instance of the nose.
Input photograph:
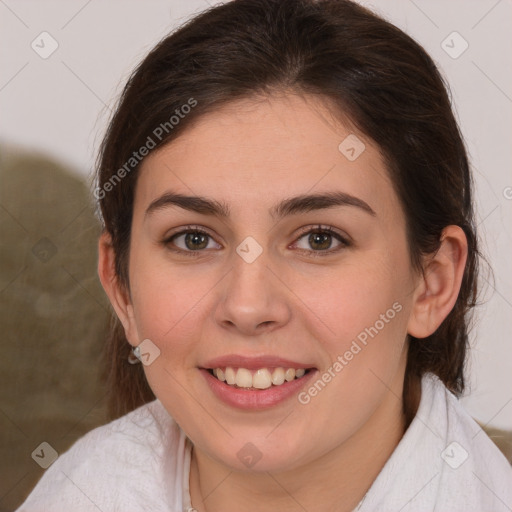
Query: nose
(254, 300)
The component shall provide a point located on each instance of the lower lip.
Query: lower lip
(255, 399)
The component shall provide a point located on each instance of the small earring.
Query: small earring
(134, 356)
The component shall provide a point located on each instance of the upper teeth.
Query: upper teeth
(260, 379)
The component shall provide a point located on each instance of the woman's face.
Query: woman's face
(296, 258)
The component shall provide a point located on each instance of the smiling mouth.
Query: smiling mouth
(262, 378)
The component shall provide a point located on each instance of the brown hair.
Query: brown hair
(375, 75)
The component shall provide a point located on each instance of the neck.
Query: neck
(336, 481)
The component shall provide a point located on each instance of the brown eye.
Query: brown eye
(321, 240)
(191, 240)
(195, 241)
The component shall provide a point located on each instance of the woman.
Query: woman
(290, 248)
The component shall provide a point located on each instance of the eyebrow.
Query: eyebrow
(291, 206)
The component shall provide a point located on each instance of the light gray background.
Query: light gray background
(59, 106)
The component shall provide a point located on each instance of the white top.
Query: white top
(444, 462)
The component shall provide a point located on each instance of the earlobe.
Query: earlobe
(438, 288)
(117, 293)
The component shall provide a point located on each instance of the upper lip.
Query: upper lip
(253, 363)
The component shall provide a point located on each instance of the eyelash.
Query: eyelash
(307, 231)
(329, 230)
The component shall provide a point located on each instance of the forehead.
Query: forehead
(259, 150)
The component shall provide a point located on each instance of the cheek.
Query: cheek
(353, 298)
(168, 305)
(359, 310)
(170, 309)
(360, 321)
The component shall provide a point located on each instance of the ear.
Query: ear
(438, 288)
(117, 293)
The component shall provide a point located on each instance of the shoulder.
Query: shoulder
(472, 469)
(460, 425)
(444, 462)
(134, 440)
(115, 465)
